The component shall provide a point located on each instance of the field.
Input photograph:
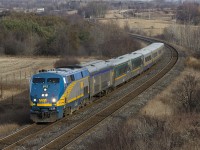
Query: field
(11, 65)
(151, 25)
(16, 72)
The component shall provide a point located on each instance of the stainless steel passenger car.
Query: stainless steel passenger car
(136, 63)
(151, 54)
(100, 76)
(122, 68)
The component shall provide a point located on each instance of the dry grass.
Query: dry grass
(13, 65)
(7, 128)
(160, 125)
(157, 108)
(13, 117)
(16, 72)
(143, 132)
(164, 104)
(193, 63)
(152, 27)
(10, 65)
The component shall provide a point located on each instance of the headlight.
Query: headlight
(46, 95)
(34, 100)
(45, 89)
(53, 100)
(42, 95)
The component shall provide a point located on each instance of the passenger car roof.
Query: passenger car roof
(95, 66)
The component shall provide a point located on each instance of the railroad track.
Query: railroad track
(14, 139)
(63, 140)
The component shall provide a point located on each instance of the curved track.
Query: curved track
(67, 138)
(17, 139)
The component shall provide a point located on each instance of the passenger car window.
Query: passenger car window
(155, 54)
(137, 62)
(148, 58)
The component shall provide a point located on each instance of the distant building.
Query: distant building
(18, 9)
(39, 10)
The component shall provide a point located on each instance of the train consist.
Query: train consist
(58, 92)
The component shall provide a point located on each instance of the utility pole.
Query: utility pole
(149, 14)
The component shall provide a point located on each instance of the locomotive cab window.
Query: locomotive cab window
(70, 78)
(38, 80)
(53, 80)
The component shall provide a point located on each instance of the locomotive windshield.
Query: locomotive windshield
(53, 80)
(38, 80)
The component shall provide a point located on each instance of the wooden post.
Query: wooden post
(1, 87)
(12, 100)
(1, 90)
(6, 80)
(20, 80)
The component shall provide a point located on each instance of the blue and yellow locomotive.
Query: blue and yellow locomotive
(58, 92)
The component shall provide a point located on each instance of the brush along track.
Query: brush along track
(15, 137)
(12, 140)
(67, 138)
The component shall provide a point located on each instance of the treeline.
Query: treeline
(188, 13)
(93, 9)
(186, 36)
(29, 34)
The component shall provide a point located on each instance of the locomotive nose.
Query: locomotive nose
(45, 90)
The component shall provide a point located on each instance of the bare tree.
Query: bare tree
(187, 94)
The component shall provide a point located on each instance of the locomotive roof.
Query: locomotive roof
(95, 66)
(65, 71)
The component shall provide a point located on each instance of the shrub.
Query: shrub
(187, 94)
(66, 61)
